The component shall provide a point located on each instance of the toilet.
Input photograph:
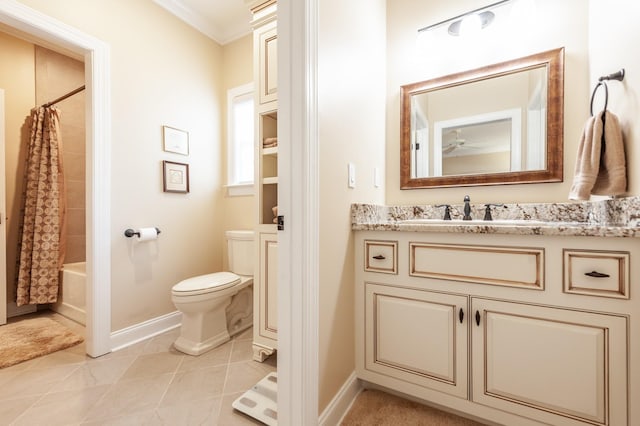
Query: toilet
(217, 306)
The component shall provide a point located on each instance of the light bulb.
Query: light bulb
(471, 24)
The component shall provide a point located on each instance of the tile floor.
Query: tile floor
(149, 383)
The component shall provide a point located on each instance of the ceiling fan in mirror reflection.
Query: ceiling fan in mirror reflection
(485, 138)
(455, 141)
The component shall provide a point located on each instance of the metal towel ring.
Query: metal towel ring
(606, 95)
(618, 76)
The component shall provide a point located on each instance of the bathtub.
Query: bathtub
(71, 294)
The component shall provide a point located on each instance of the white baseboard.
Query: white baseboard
(136, 333)
(340, 404)
(14, 310)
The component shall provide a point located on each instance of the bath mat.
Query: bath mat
(261, 401)
(373, 407)
(33, 337)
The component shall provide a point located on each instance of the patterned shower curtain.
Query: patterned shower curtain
(41, 245)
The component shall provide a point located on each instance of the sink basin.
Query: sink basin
(495, 222)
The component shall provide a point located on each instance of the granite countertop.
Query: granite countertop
(618, 217)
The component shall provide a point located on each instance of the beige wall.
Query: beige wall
(57, 75)
(17, 78)
(163, 72)
(566, 23)
(613, 34)
(239, 212)
(351, 101)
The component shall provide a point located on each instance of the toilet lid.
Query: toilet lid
(206, 283)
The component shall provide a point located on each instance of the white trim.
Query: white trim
(191, 17)
(98, 156)
(240, 190)
(187, 15)
(341, 402)
(145, 330)
(298, 193)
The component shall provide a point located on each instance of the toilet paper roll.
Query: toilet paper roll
(147, 234)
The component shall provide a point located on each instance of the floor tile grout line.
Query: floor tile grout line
(175, 372)
(234, 355)
(111, 385)
(48, 392)
(226, 374)
(28, 408)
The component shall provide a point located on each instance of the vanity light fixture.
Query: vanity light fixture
(472, 21)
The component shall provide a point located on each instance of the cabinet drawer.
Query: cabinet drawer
(508, 266)
(381, 256)
(596, 273)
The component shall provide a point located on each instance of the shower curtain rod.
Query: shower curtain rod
(63, 97)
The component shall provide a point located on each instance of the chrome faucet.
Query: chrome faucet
(467, 208)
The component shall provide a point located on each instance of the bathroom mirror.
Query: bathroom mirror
(500, 124)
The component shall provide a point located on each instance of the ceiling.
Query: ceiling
(221, 20)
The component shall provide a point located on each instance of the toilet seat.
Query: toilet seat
(205, 284)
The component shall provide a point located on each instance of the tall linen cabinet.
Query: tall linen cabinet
(265, 325)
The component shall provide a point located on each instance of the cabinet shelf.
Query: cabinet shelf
(270, 151)
(270, 180)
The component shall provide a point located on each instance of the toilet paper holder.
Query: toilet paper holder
(131, 233)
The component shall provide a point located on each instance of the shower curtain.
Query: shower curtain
(41, 245)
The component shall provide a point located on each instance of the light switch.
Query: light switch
(376, 177)
(352, 175)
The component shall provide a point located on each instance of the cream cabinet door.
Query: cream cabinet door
(417, 336)
(265, 332)
(269, 286)
(554, 365)
(267, 39)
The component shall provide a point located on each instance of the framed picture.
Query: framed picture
(175, 177)
(175, 140)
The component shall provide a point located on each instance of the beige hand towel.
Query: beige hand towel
(612, 177)
(600, 171)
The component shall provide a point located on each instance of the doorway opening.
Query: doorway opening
(35, 27)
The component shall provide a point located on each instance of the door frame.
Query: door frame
(298, 200)
(98, 158)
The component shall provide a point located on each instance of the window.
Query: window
(240, 138)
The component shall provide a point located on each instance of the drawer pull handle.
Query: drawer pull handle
(379, 257)
(596, 274)
(478, 318)
(461, 315)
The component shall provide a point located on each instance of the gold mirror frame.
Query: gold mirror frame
(553, 60)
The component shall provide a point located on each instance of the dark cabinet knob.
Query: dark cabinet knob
(379, 257)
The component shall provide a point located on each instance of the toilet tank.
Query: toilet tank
(240, 252)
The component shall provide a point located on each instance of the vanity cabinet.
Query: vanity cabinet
(549, 363)
(266, 176)
(486, 325)
(416, 336)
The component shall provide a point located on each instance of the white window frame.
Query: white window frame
(235, 188)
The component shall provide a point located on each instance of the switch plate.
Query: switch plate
(352, 175)
(376, 177)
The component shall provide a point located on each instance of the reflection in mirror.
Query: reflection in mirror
(499, 124)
